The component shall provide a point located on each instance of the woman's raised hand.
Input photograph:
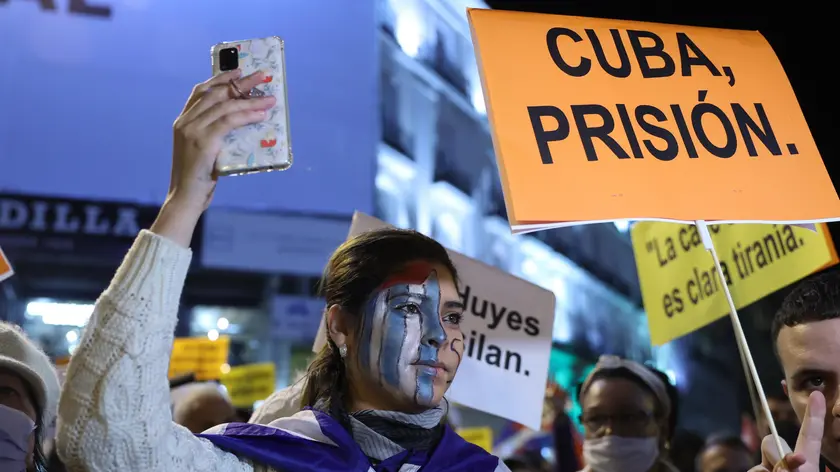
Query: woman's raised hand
(214, 108)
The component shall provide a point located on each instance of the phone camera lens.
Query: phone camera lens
(228, 59)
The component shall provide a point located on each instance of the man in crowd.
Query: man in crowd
(806, 332)
(724, 454)
(787, 423)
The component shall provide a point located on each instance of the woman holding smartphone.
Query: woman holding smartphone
(373, 397)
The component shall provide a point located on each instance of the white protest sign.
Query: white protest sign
(507, 328)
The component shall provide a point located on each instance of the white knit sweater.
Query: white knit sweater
(114, 413)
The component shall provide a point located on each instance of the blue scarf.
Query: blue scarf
(282, 450)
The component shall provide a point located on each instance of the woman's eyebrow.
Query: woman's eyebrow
(454, 305)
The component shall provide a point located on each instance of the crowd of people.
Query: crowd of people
(374, 397)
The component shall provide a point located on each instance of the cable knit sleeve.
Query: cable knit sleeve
(114, 413)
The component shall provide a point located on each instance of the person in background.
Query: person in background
(29, 392)
(373, 396)
(685, 447)
(629, 417)
(806, 335)
(724, 454)
(242, 415)
(787, 424)
(564, 432)
(202, 406)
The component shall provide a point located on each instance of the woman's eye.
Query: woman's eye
(454, 318)
(410, 308)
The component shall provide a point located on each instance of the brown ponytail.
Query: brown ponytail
(325, 384)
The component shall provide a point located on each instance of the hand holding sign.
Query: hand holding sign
(806, 457)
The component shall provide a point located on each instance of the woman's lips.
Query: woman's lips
(431, 368)
(431, 371)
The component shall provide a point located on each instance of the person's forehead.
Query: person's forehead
(11, 379)
(814, 345)
(418, 273)
(616, 391)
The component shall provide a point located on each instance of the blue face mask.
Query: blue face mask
(15, 430)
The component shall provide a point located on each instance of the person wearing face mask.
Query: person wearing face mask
(629, 415)
(28, 397)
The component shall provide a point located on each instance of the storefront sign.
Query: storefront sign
(31, 225)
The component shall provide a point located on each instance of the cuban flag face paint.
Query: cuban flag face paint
(410, 341)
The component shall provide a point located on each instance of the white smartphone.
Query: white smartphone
(264, 146)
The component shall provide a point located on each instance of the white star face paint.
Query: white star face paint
(410, 342)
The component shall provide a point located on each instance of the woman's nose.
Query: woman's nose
(434, 335)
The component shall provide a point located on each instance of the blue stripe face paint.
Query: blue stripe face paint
(406, 345)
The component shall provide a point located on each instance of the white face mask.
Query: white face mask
(15, 430)
(621, 454)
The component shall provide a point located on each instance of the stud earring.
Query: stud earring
(342, 351)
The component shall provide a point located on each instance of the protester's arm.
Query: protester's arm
(114, 410)
(114, 413)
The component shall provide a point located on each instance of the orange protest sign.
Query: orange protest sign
(6, 270)
(598, 120)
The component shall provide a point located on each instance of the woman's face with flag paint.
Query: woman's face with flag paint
(410, 340)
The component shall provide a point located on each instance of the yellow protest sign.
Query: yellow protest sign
(681, 289)
(248, 384)
(200, 356)
(481, 437)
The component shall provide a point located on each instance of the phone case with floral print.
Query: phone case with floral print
(264, 146)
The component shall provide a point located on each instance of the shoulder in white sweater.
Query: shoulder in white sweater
(114, 413)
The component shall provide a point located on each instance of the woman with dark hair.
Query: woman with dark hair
(374, 395)
(28, 397)
(629, 417)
